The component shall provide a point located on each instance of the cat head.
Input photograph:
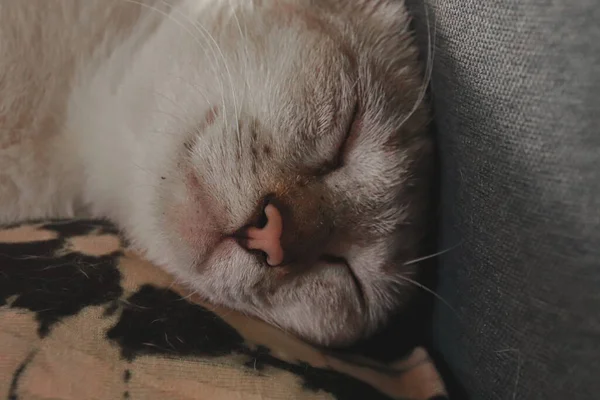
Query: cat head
(296, 191)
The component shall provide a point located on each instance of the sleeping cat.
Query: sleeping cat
(273, 155)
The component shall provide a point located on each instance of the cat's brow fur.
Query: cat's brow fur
(176, 118)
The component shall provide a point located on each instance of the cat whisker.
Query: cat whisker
(173, 102)
(237, 20)
(172, 18)
(199, 91)
(431, 36)
(189, 296)
(163, 13)
(428, 69)
(428, 290)
(202, 30)
(424, 258)
(205, 34)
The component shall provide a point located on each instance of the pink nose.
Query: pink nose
(268, 238)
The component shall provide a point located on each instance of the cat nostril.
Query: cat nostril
(262, 218)
(263, 255)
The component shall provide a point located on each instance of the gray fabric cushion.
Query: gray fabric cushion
(516, 89)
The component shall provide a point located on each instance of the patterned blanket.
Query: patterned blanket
(82, 317)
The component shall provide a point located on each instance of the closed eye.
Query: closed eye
(338, 161)
(329, 259)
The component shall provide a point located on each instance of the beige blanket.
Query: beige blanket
(81, 317)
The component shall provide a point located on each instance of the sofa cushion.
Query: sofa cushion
(516, 92)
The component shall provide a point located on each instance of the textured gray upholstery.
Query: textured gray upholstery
(516, 89)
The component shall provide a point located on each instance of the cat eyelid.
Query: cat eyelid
(350, 131)
(340, 261)
(338, 160)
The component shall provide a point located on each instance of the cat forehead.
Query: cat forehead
(300, 59)
(298, 80)
(343, 22)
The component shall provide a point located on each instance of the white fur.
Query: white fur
(94, 115)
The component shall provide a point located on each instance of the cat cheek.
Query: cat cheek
(189, 223)
(193, 221)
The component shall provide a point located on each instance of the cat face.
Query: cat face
(296, 192)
